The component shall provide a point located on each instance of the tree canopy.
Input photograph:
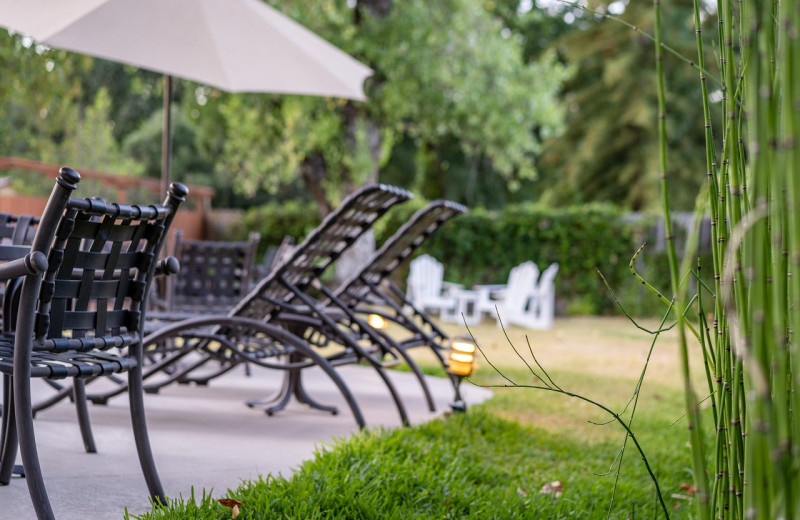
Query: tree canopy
(480, 102)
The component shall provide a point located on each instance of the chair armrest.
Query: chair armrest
(450, 286)
(490, 287)
(31, 264)
(168, 266)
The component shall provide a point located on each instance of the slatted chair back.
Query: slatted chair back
(520, 289)
(101, 260)
(425, 281)
(397, 248)
(17, 230)
(296, 273)
(214, 275)
(16, 235)
(546, 297)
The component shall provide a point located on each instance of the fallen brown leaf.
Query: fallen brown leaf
(232, 504)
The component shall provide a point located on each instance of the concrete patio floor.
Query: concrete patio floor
(205, 437)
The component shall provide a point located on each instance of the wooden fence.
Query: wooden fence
(191, 218)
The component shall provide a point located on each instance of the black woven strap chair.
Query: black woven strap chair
(214, 276)
(232, 340)
(370, 289)
(16, 237)
(85, 286)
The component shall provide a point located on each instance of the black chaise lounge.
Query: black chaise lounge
(283, 299)
(370, 291)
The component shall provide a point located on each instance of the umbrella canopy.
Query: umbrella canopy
(234, 45)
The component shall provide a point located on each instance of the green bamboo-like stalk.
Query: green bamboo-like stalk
(692, 408)
(789, 83)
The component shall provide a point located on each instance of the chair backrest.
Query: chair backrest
(521, 286)
(16, 236)
(101, 259)
(324, 245)
(397, 249)
(546, 283)
(17, 230)
(214, 275)
(425, 279)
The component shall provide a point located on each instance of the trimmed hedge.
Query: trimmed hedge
(482, 246)
(276, 220)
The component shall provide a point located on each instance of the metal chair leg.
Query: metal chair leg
(27, 443)
(136, 398)
(420, 377)
(79, 389)
(8, 438)
(401, 409)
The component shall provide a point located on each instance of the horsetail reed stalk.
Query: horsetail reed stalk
(754, 198)
(678, 295)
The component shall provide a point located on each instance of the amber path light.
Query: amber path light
(461, 363)
(376, 321)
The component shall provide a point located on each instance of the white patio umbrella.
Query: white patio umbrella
(234, 45)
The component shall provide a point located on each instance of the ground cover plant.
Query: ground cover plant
(494, 461)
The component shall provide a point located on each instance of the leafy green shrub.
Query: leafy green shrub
(274, 221)
(482, 246)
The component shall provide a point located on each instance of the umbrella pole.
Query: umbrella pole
(166, 138)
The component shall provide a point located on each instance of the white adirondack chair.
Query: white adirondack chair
(427, 289)
(545, 300)
(526, 301)
(490, 297)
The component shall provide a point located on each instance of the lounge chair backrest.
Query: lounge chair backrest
(398, 248)
(521, 286)
(323, 246)
(101, 259)
(425, 280)
(214, 275)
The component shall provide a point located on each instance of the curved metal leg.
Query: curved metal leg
(277, 396)
(27, 443)
(56, 398)
(401, 409)
(151, 371)
(203, 380)
(177, 375)
(136, 398)
(79, 389)
(8, 441)
(337, 380)
(281, 400)
(280, 336)
(292, 385)
(303, 397)
(420, 377)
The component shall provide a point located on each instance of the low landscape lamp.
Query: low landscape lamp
(461, 364)
(376, 321)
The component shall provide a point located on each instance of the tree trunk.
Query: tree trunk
(313, 171)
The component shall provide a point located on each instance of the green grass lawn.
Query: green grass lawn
(493, 461)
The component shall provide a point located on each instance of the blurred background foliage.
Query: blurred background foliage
(496, 104)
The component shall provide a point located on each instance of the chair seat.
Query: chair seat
(62, 365)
